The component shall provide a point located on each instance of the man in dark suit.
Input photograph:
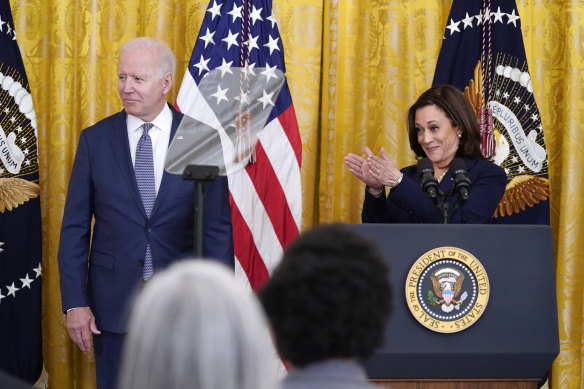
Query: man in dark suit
(143, 216)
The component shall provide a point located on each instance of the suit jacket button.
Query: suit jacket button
(148, 229)
(141, 262)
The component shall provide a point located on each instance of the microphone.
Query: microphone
(461, 181)
(426, 173)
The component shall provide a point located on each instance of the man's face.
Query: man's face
(141, 85)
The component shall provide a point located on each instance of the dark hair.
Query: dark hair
(457, 108)
(329, 298)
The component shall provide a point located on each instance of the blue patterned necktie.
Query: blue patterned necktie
(144, 170)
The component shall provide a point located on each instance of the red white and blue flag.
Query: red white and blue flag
(265, 196)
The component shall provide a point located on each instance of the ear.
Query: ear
(167, 82)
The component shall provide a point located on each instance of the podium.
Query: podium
(511, 345)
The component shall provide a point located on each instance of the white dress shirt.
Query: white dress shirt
(160, 136)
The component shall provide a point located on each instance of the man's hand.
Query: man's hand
(80, 325)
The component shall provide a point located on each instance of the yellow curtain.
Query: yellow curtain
(353, 68)
(380, 55)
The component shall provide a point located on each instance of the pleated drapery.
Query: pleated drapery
(353, 68)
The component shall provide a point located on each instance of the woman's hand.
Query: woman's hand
(359, 167)
(382, 168)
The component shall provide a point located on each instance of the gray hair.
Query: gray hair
(193, 326)
(166, 58)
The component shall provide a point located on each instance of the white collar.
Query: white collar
(161, 121)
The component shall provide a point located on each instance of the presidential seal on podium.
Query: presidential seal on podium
(447, 289)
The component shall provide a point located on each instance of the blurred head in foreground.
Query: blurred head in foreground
(329, 298)
(192, 326)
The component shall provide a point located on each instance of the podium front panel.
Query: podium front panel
(516, 336)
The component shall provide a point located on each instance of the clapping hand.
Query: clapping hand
(361, 169)
(374, 171)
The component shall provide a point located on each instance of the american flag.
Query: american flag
(265, 196)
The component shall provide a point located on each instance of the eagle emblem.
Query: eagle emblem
(15, 191)
(447, 285)
(447, 289)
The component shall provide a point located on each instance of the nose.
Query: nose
(425, 137)
(126, 85)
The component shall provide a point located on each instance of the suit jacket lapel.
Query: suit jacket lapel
(167, 178)
(121, 151)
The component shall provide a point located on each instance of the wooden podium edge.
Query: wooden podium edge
(504, 383)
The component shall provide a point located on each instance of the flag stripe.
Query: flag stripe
(286, 158)
(272, 196)
(247, 202)
(249, 259)
(289, 124)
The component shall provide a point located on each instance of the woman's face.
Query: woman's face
(436, 135)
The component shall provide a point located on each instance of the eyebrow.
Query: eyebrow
(430, 122)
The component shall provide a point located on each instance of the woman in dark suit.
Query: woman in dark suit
(442, 126)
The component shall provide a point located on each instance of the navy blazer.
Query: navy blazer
(407, 203)
(101, 268)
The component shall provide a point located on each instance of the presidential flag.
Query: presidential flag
(242, 39)
(483, 54)
(20, 215)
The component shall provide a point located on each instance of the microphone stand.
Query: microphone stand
(458, 205)
(444, 210)
(438, 199)
(442, 206)
(201, 175)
